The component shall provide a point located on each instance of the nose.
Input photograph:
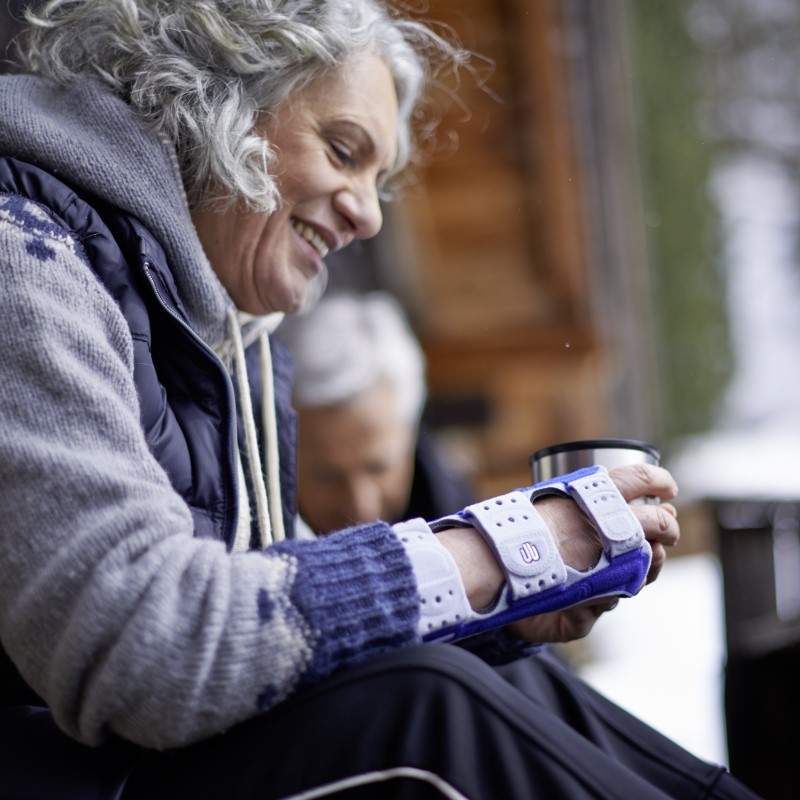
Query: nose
(365, 501)
(359, 204)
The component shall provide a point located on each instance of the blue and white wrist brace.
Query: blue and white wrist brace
(537, 579)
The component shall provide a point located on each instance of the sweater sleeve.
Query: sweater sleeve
(110, 608)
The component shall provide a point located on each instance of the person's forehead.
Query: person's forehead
(372, 410)
(367, 422)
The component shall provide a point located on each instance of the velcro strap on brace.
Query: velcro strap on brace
(521, 542)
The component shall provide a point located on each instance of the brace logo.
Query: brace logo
(529, 553)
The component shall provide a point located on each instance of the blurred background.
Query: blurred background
(605, 244)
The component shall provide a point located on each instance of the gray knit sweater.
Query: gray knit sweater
(109, 607)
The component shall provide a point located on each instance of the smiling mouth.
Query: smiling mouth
(311, 236)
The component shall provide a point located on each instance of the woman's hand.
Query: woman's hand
(575, 535)
(579, 546)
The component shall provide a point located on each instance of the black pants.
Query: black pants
(433, 722)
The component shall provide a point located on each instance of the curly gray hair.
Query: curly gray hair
(347, 345)
(202, 71)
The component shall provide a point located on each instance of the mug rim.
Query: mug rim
(596, 444)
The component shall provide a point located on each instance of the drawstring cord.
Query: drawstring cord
(269, 514)
(269, 424)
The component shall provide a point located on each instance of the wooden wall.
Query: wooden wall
(496, 251)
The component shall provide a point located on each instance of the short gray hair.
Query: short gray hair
(200, 72)
(348, 344)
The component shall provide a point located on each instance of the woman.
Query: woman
(173, 175)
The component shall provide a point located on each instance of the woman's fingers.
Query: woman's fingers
(661, 529)
(657, 562)
(644, 480)
(659, 523)
(659, 520)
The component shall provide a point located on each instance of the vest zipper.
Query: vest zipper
(230, 531)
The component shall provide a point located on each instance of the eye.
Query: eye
(376, 468)
(341, 152)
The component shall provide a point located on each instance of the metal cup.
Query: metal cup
(560, 459)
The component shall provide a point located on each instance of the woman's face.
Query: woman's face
(335, 142)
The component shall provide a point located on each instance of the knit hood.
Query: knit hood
(94, 141)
